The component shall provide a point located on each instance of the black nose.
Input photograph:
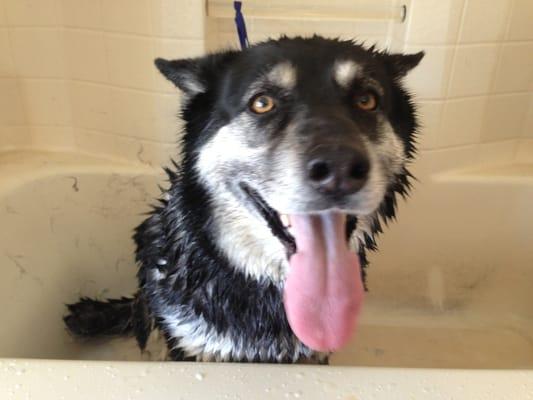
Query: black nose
(338, 171)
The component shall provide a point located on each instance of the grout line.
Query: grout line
(103, 84)
(16, 74)
(499, 51)
(97, 132)
(106, 31)
(466, 146)
(471, 44)
(470, 96)
(517, 148)
(454, 53)
(133, 138)
(510, 12)
(489, 93)
(104, 44)
(176, 92)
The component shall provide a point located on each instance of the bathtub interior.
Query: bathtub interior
(449, 287)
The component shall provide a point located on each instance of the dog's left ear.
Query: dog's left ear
(185, 74)
(401, 64)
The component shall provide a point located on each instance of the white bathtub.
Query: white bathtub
(450, 306)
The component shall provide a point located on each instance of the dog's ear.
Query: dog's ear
(186, 74)
(401, 64)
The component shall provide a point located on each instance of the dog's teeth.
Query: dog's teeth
(285, 220)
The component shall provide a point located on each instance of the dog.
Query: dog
(293, 154)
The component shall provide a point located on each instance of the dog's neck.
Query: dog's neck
(247, 241)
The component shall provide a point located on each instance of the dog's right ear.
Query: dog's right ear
(186, 74)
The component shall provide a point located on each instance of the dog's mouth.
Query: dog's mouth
(323, 291)
(278, 223)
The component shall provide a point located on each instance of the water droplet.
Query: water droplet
(297, 394)
(199, 376)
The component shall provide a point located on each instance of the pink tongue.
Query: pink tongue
(324, 291)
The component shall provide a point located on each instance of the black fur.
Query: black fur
(244, 308)
(91, 317)
(176, 240)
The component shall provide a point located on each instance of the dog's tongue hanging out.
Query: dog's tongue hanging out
(324, 290)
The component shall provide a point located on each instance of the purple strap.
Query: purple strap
(240, 24)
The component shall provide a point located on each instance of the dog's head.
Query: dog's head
(300, 133)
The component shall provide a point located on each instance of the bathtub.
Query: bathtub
(449, 314)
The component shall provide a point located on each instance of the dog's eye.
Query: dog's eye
(261, 104)
(366, 101)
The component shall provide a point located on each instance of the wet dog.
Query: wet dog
(294, 152)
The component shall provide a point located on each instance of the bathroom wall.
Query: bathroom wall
(476, 82)
(13, 127)
(78, 74)
(374, 22)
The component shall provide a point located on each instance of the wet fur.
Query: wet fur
(211, 272)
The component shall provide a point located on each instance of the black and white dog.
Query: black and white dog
(294, 150)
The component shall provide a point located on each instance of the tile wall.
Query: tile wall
(78, 74)
(476, 84)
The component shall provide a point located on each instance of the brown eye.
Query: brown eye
(366, 102)
(262, 104)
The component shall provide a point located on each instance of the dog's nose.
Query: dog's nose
(338, 171)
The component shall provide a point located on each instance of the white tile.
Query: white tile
(145, 152)
(168, 125)
(12, 137)
(130, 61)
(505, 116)
(515, 71)
(443, 160)
(524, 151)
(429, 114)
(178, 18)
(3, 19)
(259, 30)
(502, 151)
(86, 55)
(179, 48)
(173, 49)
(6, 63)
(430, 78)
(145, 115)
(461, 122)
(32, 12)
(127, 16)
(11, 106)
(473, 70)
(91, 106)
(38, 52)
(82, 13)
(521, 23)
(46, 102)
(527, 130)
(52, 137)
(433, 21)
(222, 42)
(484, 20)
(96, 143)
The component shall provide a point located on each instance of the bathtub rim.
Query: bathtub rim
(45, 379)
